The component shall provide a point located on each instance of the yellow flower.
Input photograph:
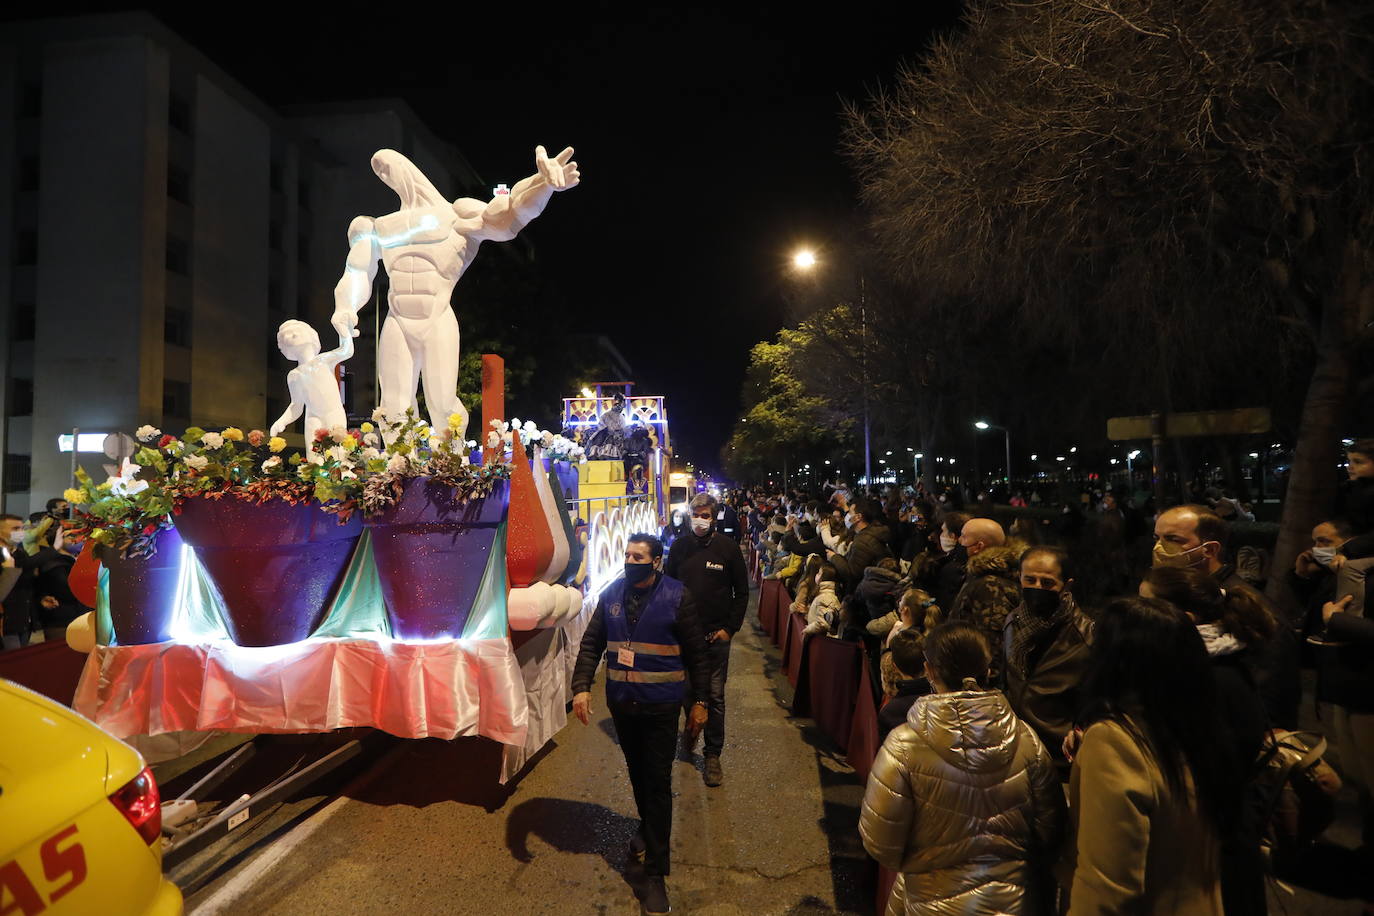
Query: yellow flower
(233, 433)
(455, 421)
(276, 443)
(105, 486)
(349, 443)
(74, 496)
(367, 427)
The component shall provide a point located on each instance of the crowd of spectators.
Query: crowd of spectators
(36, 556)
(1126, 746)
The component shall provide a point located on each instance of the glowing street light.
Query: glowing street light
(983, 424)
(805, 259)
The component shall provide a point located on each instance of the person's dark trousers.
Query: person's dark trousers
(719, 654)
(648, 738)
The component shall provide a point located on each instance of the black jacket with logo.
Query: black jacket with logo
(714, 573)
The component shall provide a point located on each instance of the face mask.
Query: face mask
(1324, 555)
(849, 521)
(1040, 601)
(17, 537)
(638, 573)
(700, 526)
(947, 542)
(1170, 554)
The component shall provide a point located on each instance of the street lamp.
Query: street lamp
(1130, 472)
(805, 259)
(983, 424)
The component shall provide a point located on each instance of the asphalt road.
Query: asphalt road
(422, 835)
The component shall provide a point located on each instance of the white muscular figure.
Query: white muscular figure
(314, 389)
(425, 247)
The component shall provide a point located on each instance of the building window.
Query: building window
(24, 321)
(179, 184)
(21, 397)
(18, 473)
(176, 398)
(178, 256)
(176, 326)
(26, 247)
(179, 113)
(29, 173)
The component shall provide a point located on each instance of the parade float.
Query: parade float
(395, 574)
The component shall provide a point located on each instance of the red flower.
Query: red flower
(255, 437)
(165, 441)
(149, 529)
(321, 434)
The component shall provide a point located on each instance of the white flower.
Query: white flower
(338, 433)
(509, 437)
(397, 464)
(435, 443)
(196, 462)
(496, 424)
(379, 415)
(147, 433)
(371, 454)
(339, 454)
(212, 440)
(175, 447)
(493, 439)
(371, 439)
(472, 443)
(515, 423)
(347, 475)
(530, 427)
(273, 462)
(465, 459)
(547, 439)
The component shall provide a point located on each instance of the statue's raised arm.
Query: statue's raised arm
(360, 269)
(506, 214)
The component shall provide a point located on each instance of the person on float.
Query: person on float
(646, 625)
(711, 566)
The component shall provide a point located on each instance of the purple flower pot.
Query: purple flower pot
(431, 553)
(143, 591)
(277, 566)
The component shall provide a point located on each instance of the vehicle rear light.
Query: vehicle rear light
(139, 802)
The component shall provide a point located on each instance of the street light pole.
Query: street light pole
(863, 342)
(983, 424)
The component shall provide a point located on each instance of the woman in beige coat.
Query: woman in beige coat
(1151, 778)
(962, 800)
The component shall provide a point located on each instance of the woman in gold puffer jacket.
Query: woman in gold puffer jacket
(962, 800)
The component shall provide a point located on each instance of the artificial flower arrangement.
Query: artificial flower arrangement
(345, 470)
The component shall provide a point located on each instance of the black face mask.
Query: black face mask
(638, 573)
(1040, 601)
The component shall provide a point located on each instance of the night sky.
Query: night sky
(708, 142)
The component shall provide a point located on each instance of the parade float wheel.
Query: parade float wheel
(277, 566)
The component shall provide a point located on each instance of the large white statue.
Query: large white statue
(425, 246)
(314, 389)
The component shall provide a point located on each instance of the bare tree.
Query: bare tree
(1186, 182)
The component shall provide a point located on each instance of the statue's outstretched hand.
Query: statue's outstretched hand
(560, 172)
(345, 323)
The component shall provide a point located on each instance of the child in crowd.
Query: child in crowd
(826, 612)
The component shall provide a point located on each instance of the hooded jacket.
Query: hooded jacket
(963, 801)
(991, 591)
(868, 547)
(879, 590)
(823, 616)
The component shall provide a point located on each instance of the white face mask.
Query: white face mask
(700, 525)
(1324, 555)
(947, 542)
(17, 537)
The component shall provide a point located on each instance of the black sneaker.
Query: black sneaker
(712, 774)
(637, 847)
(655, 899)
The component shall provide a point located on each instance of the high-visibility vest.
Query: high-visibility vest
(657, 675)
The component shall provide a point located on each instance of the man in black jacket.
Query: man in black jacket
(710, 564)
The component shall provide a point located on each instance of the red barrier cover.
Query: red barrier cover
(829, 685)
(51, 668)
(792, 650)
(768, 607)
(863, 734)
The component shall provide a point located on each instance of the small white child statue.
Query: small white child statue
(313, 387)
